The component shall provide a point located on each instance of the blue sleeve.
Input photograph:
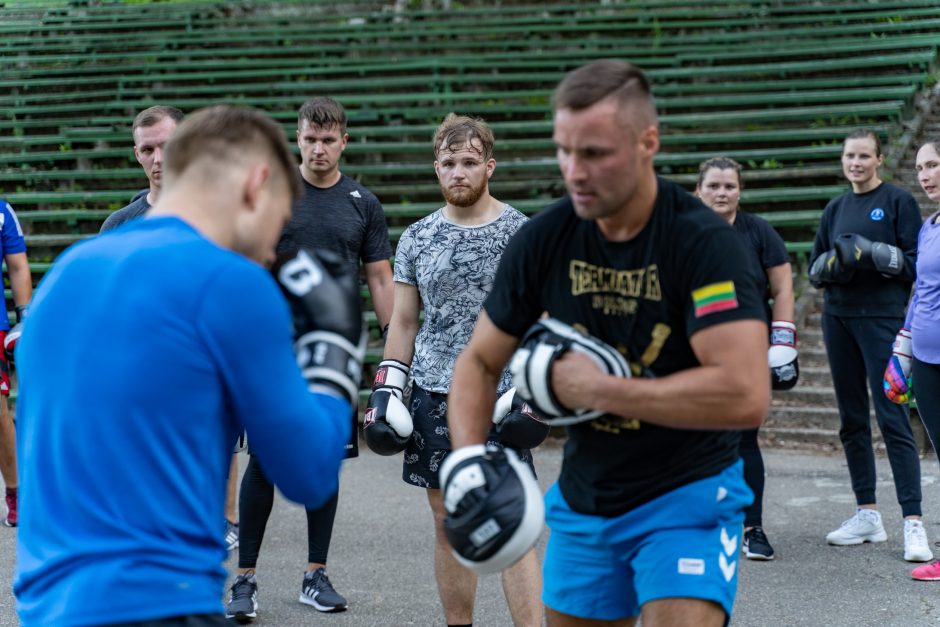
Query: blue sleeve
(912, 303)
(908, 233)
(299, 437)
(11, 232)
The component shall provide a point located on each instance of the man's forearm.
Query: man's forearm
(470, 402)
(699, 398)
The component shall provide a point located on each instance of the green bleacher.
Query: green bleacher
(775, 84)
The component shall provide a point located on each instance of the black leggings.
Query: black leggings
(753, 476)
(256, 499)
(926, 381)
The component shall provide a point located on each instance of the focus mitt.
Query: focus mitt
(494, 507)
(531, 368)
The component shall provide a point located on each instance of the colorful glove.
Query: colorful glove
(897, 381)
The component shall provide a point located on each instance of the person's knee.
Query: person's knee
(683, 611)
(435, 500)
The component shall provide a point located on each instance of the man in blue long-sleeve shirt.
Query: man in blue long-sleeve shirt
(145, 354)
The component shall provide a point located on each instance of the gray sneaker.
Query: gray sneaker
(319, 592)
(243, 599)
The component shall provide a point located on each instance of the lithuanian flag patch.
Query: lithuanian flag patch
(713, 298)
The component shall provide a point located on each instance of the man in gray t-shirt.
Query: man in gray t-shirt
(446, 263)
(151, 129)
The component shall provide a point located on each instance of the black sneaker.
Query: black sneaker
(243, 600)
(756, 546)
(318, 592)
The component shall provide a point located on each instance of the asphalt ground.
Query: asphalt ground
(381, 555)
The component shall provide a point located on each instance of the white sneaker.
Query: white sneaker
(916, 547)
(864, 526)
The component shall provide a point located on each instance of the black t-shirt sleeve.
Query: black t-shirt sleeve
(514, 302)
(376, 245)
(717, 288)
(773, 250)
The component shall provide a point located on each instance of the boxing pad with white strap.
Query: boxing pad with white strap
(494, 506)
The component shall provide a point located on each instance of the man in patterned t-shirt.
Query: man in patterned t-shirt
(446, 262)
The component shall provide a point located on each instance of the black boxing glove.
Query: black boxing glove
(828, 268)
(323, 293)
(518, 425)
(856, 251)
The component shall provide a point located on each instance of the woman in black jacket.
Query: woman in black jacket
(863, 258)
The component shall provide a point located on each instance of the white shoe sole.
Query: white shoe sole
(918, 557)
(878, 537)
(758, 557)
(329, 609)
(243, 618)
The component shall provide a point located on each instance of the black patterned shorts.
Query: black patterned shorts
(430, 442)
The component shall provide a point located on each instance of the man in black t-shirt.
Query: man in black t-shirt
(151, 129)
(337, 214)
(647, 514)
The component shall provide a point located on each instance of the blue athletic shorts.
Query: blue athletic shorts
(682, 544)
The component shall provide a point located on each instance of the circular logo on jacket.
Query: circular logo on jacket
(877, 214)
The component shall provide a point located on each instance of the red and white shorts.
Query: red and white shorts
(4, 368)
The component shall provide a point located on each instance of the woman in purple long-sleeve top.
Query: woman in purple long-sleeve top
(923, 320)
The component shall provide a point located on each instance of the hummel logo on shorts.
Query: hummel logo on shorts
(691, 566)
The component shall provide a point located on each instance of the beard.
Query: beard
(464, 196)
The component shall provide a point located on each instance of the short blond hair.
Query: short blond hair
(224, 133)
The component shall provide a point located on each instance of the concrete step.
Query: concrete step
(809, 336)
(805, 394)
(815, 417)
(814, 356)
(812, 427)
(812, 377)
(800, 438)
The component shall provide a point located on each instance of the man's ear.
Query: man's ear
(490, 168)
(649, 141)
(256, 176)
